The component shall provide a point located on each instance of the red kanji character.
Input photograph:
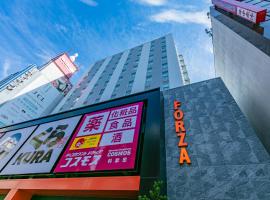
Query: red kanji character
(127, 123)
(93, 123)
(114, 125)
(123, 112)
(132, 110)
(115, 114)
(116, 137)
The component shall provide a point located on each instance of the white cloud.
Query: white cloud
(6, 68)
(209, 47)
(89, 2)
(152, 2)
(182, 17)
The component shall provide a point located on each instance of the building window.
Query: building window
(148, 76)
(101, 91)
(128, 91)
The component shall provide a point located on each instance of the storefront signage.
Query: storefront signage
(11, 141)
(247, 11)
(104, 140)
(41, 150)
(181, 133)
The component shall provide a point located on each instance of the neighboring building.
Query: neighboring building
(150, 65)
(241, 40)
(35, 91)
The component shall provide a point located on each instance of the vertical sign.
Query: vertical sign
(181, 133)
(11, 141)
(104, 140)
(42, 149)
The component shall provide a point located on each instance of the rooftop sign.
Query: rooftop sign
(246, 11)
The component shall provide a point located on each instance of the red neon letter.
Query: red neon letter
(176, 104)
(179, 126)
(181, 141)
(184, 156)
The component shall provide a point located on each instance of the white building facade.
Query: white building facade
(35, 91)
(150, 65)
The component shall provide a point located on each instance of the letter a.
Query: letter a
(184, 156)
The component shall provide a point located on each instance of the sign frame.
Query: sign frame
(133, 171)
(234, 7)
(115, 172)
(151, 112)
(27, 140)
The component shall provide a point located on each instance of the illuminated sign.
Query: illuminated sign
(11, 141)
(41, 150)
(104, 140)
(181, 133)
(244, 10)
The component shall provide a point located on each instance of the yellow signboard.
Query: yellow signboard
(85, 142)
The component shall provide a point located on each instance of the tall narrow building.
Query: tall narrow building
(241, 41)
(35, 91)
(150, 65)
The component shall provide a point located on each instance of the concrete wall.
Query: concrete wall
(228, 159)
(245, 69)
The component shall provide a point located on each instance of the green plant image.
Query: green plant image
(154, 193)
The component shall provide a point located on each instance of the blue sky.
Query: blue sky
(32, 32)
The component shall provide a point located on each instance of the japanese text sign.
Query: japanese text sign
(245, 10)
(41, 150)
(104, 140)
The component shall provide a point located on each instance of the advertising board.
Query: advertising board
(104, 140)
(41, 150)
(244, 10)
(11, 141)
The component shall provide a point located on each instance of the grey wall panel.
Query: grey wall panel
(245, 69)
(228, 161)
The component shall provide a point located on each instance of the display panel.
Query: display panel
(104, 140)
(41, 150)
(245, 10)
(11, 141)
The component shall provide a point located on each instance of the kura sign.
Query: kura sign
(41, 150)
(244, 10)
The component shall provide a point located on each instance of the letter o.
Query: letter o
(178, 115)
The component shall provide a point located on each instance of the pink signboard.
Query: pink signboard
(247, 11)
(104, 140)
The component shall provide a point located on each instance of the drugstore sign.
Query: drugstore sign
(98, 141)
(244, 10)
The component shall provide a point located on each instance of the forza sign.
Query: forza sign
(181, 133)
